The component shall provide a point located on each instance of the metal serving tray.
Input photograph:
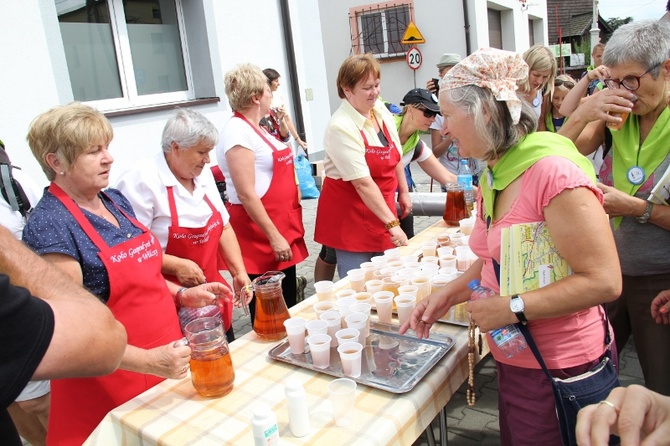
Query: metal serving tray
(447, 318)
(391, 362)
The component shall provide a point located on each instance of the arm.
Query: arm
(242, 173)
(440, 144)
(578, 92)
(372, 197)
(288, 122)
(437, 171)
(229, 248)
(660, 308)
(403, 191)
(167, 361)
(187, 272)
(581, 232)
(81, 320)
(618, 203)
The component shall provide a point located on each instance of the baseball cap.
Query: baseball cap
(423, 97)
(448, 60)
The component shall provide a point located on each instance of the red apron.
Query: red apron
(141, 301)
(343, 221)
(201, 245)
(282, 206)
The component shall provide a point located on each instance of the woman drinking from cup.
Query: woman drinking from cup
(357, 208)
(531, 177)
(176, 197)
(94, 237)
(633, 171)
(261, 183)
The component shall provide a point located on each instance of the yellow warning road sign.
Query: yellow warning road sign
(412, 35)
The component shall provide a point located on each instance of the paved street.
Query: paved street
(467, 426)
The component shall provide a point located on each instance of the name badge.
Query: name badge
(635, 175)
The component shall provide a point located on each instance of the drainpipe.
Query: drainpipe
(292, 68)
(466, 25)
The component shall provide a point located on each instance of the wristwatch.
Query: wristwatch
(517, 306)
(647, 213)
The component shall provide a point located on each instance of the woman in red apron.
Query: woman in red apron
(176, 197)
(356, 213)
(94, 238)
(261, 183)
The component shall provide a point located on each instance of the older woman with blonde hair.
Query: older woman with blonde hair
(261, 183)
(530, 177)
(175, 196)
(93, 236)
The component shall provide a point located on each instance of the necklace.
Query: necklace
(470, 394)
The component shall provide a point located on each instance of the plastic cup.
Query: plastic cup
(456, 238)
(445, 251)
(369, 269)
(379, 261)
(617, 125)
(448, 261)
(295, 329)
(444, 239)
(363, 297)
(350, 356)
(428, 248)
(316, 326)
(422, 285)
(323, 306)
(392, 254)
(345, 335)
(343, 304)
(408, 289)
(429, 259)
(408, 258)
(384, 303)
(374, 285)
(405, 304)
(342, 393)
(466, 225)
(397, 264)
(324, 290)
(358, 321)
(344, 293)
(463, 258)
(319, 347)
(334, 320)
(357, 279)
(365, 308)
(430, 268)
(448, 270)
(439, 281)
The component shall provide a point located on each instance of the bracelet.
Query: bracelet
(179, 296)
(392, 224)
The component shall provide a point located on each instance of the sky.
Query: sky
(638, 9)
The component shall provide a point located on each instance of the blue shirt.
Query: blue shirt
(52, 229)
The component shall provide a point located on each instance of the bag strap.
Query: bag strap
(12, 191)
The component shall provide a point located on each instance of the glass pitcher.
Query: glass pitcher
(455, 209)
(271, 311)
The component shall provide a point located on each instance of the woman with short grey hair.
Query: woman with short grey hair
(540, 180)
(175, 196)
(636, 72)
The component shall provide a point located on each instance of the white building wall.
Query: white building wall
(34, 74)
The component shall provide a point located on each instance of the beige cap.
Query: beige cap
(448, 60)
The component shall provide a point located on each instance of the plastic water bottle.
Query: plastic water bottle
(264, 426)
(508, 339)
(298, 415)
(464, 177)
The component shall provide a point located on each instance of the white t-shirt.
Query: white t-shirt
(424, 154)
(237, 132)
(13, 220)
(144, 185)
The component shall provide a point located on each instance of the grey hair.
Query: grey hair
(188, 128)
(646, 42)
(496, 129)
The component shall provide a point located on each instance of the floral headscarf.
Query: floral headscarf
(491, 68)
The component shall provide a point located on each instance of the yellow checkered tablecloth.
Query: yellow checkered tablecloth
(172, 413)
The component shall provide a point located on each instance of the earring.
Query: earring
(62, 173)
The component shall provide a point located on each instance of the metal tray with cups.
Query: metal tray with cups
(390, 361)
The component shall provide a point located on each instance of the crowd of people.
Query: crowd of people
(111, 266)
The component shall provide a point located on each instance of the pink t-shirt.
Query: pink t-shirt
(566, 341)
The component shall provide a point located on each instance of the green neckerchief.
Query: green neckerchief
(521, 156)
(549, 122)
(626, 143)
(413, 139)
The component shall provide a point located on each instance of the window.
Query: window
(125, 53)
(495, 28)
(379, 29)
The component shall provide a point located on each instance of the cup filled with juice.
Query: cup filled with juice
(212, 372)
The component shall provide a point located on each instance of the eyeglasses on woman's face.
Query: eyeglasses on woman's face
(567, 84)
(426, 113)
(630, 83)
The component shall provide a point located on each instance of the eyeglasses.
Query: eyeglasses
(426, 113)
(630, 83)
(567, 84)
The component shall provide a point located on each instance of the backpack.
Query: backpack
(12, 191)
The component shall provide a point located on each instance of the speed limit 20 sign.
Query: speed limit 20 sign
(414, 58)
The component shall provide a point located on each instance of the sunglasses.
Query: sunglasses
(567, 84)
(630, 83)
(426, 113)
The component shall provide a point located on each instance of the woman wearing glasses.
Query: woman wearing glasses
(638, 69)
(357, 209)
(419, 111)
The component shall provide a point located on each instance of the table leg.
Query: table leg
(443, 426)
(430, 435)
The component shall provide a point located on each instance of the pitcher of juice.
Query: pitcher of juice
(271, 311)
(212, 372)
(455, 209)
